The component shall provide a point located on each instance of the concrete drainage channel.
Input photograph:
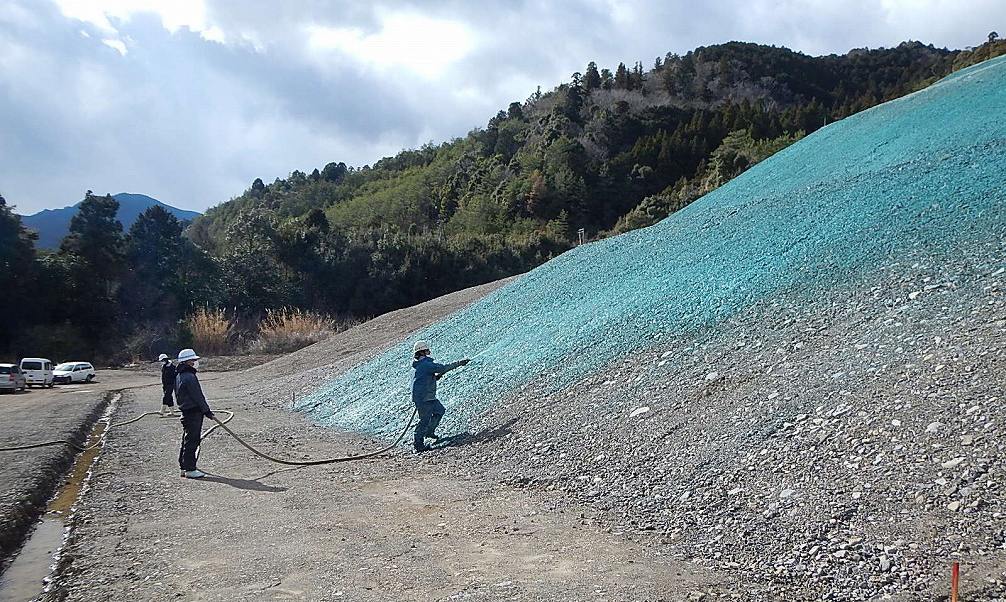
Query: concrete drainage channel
(28, 577)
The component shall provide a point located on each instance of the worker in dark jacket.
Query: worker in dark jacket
(425, 375)
(192, 403)
(168, 384)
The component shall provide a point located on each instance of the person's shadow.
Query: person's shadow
(248, 484)
(483, 436)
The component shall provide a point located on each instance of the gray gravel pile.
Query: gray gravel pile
(839, 444)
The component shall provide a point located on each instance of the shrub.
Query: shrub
(288, 329)
(210, 330)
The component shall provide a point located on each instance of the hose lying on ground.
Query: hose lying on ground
(80, 446)
(223, 424)
(401, 435)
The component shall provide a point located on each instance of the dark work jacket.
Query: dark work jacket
(168, 375)
(188, 392)
(424, 378)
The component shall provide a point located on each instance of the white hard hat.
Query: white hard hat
(420, 346)
(162, 357)
(187, 354)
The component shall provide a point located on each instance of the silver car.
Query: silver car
(11, 378)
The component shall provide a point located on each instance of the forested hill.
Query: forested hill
(608, 151)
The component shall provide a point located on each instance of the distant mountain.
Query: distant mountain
(53, 224)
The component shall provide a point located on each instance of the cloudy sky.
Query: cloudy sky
(189, 101)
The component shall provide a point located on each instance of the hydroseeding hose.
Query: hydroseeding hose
(223, 424)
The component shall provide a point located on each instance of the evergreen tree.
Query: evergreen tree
(95, 238)
(17, 264)
(592, 79)
(621, 77)
(151, 286)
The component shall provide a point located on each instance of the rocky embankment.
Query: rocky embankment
(844, 444)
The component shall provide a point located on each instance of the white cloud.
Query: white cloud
(116, 44)
(420, 44)
(173, 13)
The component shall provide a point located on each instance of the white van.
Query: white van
(37, 371)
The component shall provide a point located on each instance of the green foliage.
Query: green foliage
(95, 235)
(609, 151)
(151, 286)
(737, 153)
(93, 251)
(17, 264)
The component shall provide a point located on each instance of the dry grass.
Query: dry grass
(286, 330)
(210, 331)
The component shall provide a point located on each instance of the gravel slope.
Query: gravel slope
(795, 379)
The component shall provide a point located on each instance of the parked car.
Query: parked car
(11, 378)
(37, 371)
(74, 372)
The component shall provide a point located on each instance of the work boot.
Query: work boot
(193, 474)
(436, 438)
(422, 447)
(167, 410)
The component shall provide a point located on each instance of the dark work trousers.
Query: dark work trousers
(169, 399)
(430, 413)
(192, 427)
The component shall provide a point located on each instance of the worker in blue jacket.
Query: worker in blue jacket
(192, 403)
(425, 374)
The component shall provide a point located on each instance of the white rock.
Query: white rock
(638, 411)
(934, 427)
(712, 376)
(953, 463)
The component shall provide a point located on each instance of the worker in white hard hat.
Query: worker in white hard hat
(192, 403)
(425, 374)
(168, 384)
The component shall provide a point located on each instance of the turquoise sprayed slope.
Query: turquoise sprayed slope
(926, 170)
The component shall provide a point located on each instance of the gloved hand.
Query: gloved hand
(210, 415)
(465, 362)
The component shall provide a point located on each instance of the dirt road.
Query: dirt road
(399, 527)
